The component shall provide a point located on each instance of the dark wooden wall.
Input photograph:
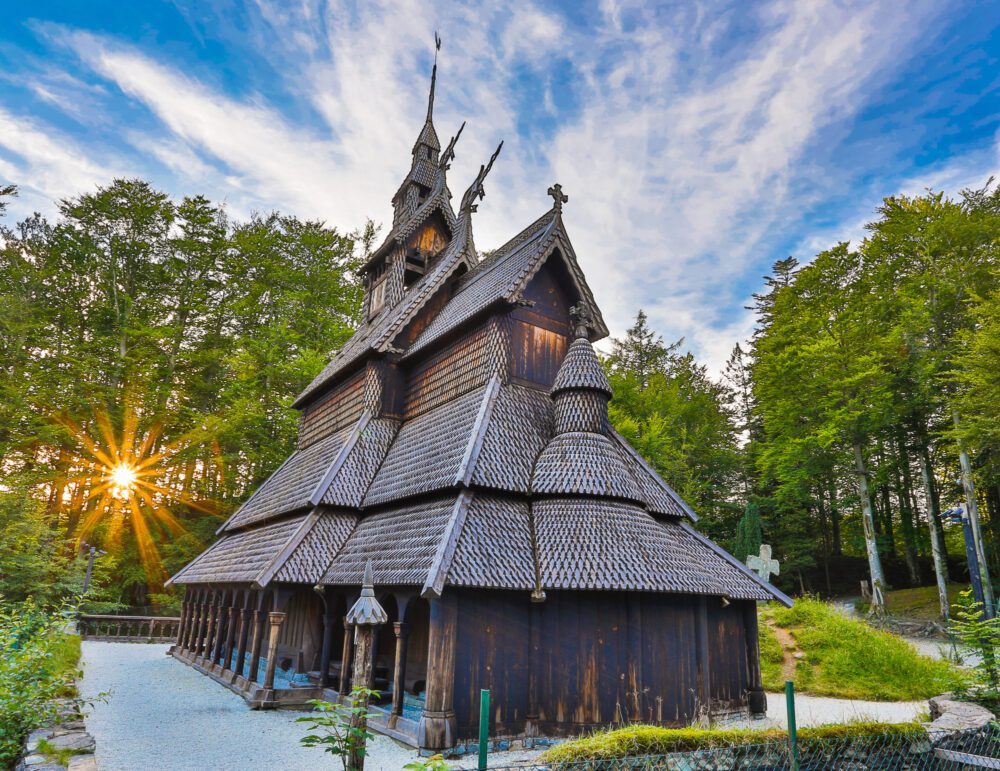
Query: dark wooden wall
(585, 659)
(333, 411)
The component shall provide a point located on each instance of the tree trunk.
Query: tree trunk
(837, 548)
(970, 500)
(868, 519)
(905, 520)
(937, 537)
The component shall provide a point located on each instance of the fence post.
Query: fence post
(793, 737)
(484, 726)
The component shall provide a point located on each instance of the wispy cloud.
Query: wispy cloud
(694, 140)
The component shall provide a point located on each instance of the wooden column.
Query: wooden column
(704, 708)
(246, 619)
(534, 665)
(399, 669)
(756, 698)
(213, 606)
(438, 726)
(185, 616)
(260, 622)
(329, 622)
(345, 661)
(193, 623)
(276, 619)
(633, 680)
(227, 651)
(220, 627)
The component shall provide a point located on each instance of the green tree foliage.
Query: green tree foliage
(749, 533)
(141, 320)
(676, 416)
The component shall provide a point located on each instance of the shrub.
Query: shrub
(654, 740)
(37, 665)
(332, 728)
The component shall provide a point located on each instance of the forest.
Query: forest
(163, 341)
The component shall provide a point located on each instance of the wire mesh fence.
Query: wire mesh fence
(909, 751)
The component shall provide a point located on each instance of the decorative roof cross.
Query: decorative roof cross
(558, 196)
(763, 565)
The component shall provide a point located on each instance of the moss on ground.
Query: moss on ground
(655, 740)
(846, 658)
(918, 604)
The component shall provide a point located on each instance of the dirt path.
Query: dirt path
(788, 649)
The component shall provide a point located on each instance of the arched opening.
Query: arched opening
(300, 640)
(418, 622)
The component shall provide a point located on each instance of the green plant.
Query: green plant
(340, 728)
(433, 763)
(38, 663)
(976, 633)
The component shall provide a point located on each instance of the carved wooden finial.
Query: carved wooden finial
(367, 610)
(582, 321)
(476, 191)
(558, 196)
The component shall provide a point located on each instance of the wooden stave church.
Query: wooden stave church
(459, 442)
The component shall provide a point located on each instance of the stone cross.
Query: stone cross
(558, 196)
(763, 565)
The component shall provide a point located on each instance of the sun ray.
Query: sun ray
(127, 480)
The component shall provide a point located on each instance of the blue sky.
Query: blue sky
(698, 142)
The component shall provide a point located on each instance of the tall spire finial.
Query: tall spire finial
(434, 72)
(476, 190)
(558, 196)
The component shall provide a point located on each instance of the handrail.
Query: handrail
(128, 628)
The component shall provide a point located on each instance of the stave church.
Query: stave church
(459, 444)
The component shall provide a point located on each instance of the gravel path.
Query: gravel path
(160, 714)
(164, 716)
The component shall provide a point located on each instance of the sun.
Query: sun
(123, 478)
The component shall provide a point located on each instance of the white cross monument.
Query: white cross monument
(763, 565)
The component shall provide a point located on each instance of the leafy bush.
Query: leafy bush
(978, 634)
(37, 665)
(848, 659)
(655, 740)
(333, 729)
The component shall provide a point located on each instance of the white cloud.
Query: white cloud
(687, 147)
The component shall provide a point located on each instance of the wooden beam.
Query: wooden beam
(345, 662)
(275, 619)
(402, 632)
(260, 622)
(438, 728)
(246, 621)
(438, 572)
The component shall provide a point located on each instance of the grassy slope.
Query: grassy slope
(848, 659)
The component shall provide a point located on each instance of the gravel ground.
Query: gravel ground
(160, 715)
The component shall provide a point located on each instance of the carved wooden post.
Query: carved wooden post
(438, 726)
(276, 619)
(399, 670)
(241, 645)
(227, 649)
(757, 700)
(220, 628)
(365, 615)
(185, 616)
(210, 625)
(260, 620)
(192, 624)
(345, 661)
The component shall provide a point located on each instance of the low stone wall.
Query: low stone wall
(949, 716)
(68, 734)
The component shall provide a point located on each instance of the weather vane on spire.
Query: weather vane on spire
(558, 196)
(434, 72)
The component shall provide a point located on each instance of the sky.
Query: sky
(698, 141)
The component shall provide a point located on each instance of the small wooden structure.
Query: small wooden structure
(460, 443)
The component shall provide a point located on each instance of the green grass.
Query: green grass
(919, 604)
(771, 658)
(655, 740)
(846, 658)
(66, 660)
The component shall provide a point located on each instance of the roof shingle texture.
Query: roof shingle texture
(494, 550)
(611, 545)
(291, 486)
(240, 557)
(581, 369)
(310, 559)
(583, 464)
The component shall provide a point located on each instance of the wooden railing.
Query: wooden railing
(128, 628)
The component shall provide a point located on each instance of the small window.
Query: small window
(377, 298)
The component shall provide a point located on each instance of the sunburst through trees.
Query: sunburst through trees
(133, 478)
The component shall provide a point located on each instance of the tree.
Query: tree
(749, 533)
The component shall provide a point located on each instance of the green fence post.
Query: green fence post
(793, 737)
(484, 726)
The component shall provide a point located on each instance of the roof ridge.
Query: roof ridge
(437, 574)
(222, 528)
(308, 523)
(317, 496)
(468, 465)
(623, 444)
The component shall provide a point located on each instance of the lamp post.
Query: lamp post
(93, 550)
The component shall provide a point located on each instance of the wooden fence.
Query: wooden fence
(128, 628)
